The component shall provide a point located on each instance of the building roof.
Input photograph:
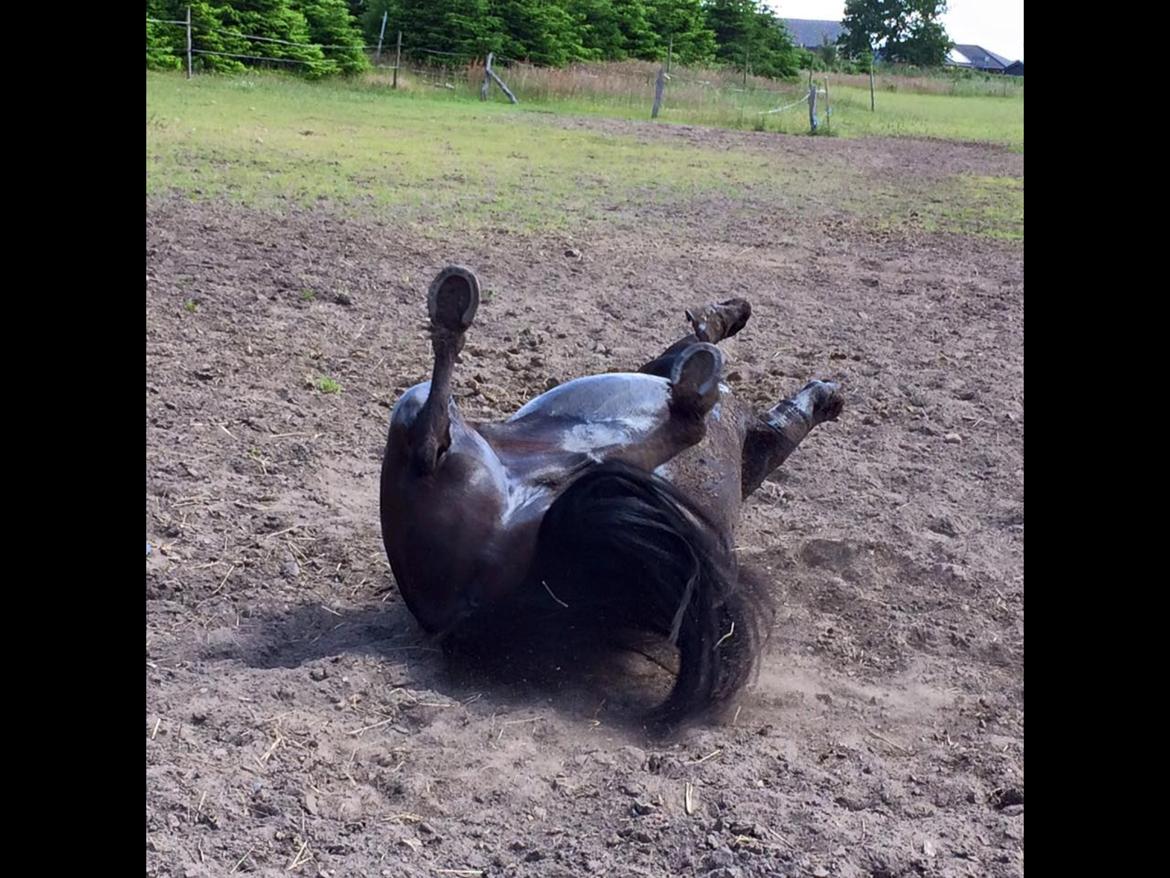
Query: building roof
(810, 33)
(977, 56)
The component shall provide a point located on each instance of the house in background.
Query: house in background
(811, 34)
(978, 58)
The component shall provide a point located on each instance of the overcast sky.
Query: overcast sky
(996, 25)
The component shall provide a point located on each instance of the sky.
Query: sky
(996, 25)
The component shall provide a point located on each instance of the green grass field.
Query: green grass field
(975, 118)
(440, 159)
(970, 118)
(981, 119)
(988, 109)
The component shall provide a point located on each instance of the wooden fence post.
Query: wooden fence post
(397, 60)
(505, 88)
(381, 33)
(490, 75)
(188, 42)
(828, 109)
(659, 89)
(812, 108)
(487, 77)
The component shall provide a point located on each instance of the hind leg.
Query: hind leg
(711, 324)
(777, 432)
(694, 367)
(452, 300)
(694, 374)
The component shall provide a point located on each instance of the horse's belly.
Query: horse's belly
(619, 397)
(572, 423)
(583, 417)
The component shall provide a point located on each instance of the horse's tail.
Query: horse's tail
(624, 547)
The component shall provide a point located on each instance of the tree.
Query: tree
(228, 35)
(330, 24)
(613, 30)
(371, 14)
(598, 27)
(773, 52)
(639, 38)
(682, 25)
(163, 41)
(284, 33)
(748, 35)
(209, 30)
(829, 53)
(907, 31)
(541, 32)
(465, 28)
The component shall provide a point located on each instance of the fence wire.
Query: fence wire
(462, 59)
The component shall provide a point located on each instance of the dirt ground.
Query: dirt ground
(299, 723)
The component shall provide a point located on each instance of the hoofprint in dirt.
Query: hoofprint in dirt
(299, 723)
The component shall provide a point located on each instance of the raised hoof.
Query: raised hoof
(694, 379)
(453, 298)
(719, 320)
(824, 399)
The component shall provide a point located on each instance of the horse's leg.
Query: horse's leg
(694, 389)
(775, 434)
(693, 366)
(712, 324)
(451, 303)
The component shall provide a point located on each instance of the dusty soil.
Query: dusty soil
(298, 721)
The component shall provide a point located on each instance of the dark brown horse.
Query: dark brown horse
(608, 502)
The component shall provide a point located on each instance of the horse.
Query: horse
(608, 502)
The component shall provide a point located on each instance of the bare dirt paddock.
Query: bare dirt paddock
(300, 724)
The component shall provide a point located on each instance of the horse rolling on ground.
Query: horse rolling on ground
(607, 503)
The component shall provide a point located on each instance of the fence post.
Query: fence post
(659, 88)
(188, 42)
(503, 86)
(812, 107)
(871, 109)
(828, 109)
(397, 60)
(487, 77)
(490, 76)
(378, 54)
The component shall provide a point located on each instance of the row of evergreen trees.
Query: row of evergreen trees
(290, 31)
(744, 34)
